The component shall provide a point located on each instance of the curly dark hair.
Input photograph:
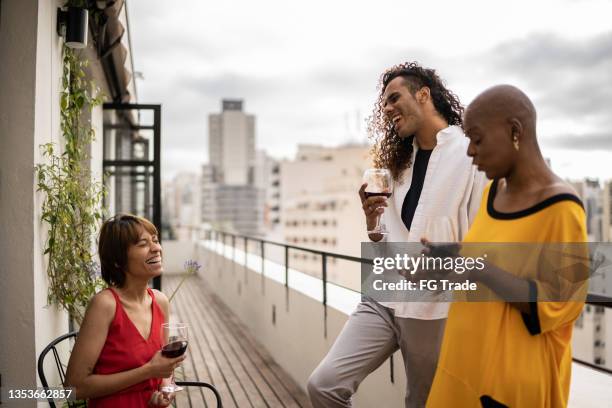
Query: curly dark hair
(390, 150)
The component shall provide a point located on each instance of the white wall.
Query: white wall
(18, 36)
(50, 322)
(30, 74)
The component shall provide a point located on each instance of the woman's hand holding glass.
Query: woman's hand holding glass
(162, 367)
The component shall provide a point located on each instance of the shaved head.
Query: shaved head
(504, 103)
(501, 126)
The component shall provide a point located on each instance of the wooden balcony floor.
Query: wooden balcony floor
(222, 352)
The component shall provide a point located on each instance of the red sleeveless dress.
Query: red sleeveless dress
(125, 349)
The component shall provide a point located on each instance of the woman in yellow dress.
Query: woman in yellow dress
(514, 354)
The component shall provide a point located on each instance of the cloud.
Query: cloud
(301, 71)
(568, 77)
(585, 142)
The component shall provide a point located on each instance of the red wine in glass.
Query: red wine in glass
(379, 184)
(174, 344)
(174, 349)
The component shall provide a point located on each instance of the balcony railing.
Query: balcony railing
(221, 236)
(274, 262)
(238, 241)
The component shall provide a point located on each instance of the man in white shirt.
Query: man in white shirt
(436, 194)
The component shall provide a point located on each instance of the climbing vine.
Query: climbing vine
(72, 206)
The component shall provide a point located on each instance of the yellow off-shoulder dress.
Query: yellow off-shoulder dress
(493, 355)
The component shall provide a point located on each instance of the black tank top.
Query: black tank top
(419, 169)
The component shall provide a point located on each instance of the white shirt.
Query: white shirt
(449, 201)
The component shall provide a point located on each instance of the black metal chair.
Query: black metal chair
(61, 368)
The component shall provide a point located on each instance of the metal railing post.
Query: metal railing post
(287, 278)
(233, 254)
(246, 257)
(222, 245)
(286, 266)
(391, 368)
(263, 275)
(324, 279)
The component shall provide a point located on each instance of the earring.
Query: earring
(515, 142)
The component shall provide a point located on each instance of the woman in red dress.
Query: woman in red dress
(116, 361)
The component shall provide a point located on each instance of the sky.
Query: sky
(309, 70)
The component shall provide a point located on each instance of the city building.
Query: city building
(231, 208)
(606, 215)
(589, 342)
(181, 204)
(591, 195)
(231, 199)
(231, 144)
(267, 178)
(320, 208)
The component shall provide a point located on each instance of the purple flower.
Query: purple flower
(191, 266)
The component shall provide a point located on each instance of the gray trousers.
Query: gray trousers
(371, 334)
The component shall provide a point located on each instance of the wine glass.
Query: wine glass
(174, 344)
(380, 184)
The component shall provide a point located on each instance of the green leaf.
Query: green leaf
(71, 205)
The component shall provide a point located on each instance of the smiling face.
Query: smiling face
(401, 108)
(144, 258)
(128, 245)
(490, 147)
